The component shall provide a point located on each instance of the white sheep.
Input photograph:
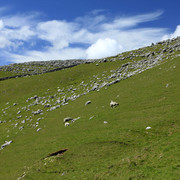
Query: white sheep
(6, 144)
(113, 104)
(67, 119)
(66, 124)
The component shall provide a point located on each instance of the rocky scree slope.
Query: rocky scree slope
(33, 109)
(38, 67)
(30, 114)
(158, 50)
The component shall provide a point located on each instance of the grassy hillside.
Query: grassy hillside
(104, 143)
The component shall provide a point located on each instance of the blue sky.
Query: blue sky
(82, 29)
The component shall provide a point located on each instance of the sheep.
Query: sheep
(113, 104)
(88, 102)
(75, 119)
(67, 119)
(66, 124)
(6, 144)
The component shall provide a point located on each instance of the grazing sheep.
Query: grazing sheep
(75, 119)
(66, 124)
(67, 119)
(6, 144)
(113, 104)
(88, 102)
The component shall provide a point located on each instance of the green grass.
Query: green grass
(7, 74)
(22, 69)
(120, 149)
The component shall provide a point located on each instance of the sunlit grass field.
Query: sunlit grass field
(122, 148)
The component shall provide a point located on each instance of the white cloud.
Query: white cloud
(3, 9)
(126, 22)
(24, 37)
(91, 21)
(58, 33)
(22, 33)
(50, 54)
(103, 48)
(54, 54)
(1, 24)
(177, 32)
(19, 20)
(14, 29)
(172, 35)
(4, 42)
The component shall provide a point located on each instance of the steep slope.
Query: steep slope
(35, 68)
(39, 67)
(103, 143)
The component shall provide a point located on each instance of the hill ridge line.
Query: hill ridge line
(41, 67)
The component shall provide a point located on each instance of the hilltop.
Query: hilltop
(136, 140)
(40, 67)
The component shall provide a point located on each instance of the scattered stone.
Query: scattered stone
(18, 112)
(22, 177)
(91, 117)
(147, 128)
(37, 112)
(23, 121)
(21, 128)
(98, 81)
(105, 122)
(38, 119)
(47, 105)
(58, 101)
(35, 97)
(16, 124)
(124, 65)
(58, 106)
(39, 129)
(52, 108)
(95, 87)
